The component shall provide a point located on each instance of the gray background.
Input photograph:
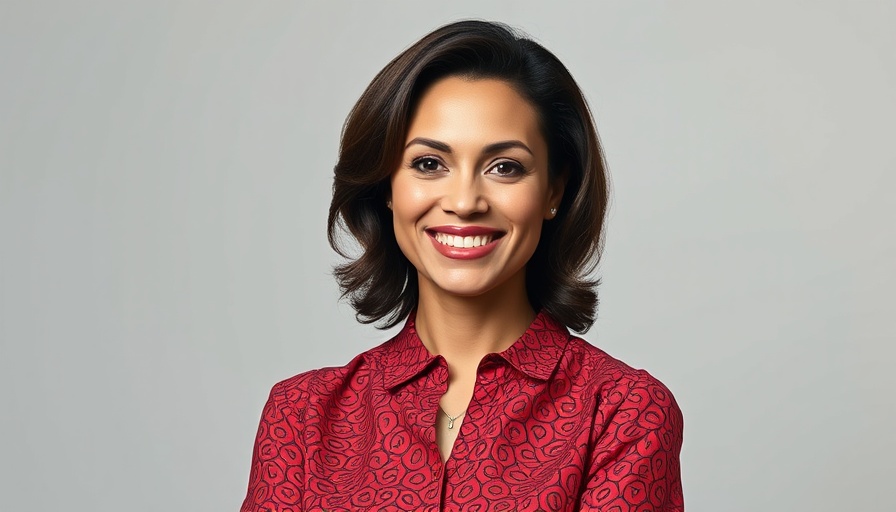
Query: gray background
(164, 178)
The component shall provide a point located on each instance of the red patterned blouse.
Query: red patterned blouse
(555, 424)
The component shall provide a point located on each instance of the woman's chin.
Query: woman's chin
(473, 285)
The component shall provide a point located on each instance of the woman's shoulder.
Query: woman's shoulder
(614, 380)
(321, 382)
(317, 381)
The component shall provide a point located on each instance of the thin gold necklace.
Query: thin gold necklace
(450, 419)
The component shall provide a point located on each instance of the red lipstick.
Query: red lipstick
(446, 240)
(466, 230)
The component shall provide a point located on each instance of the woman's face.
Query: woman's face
(472, 190)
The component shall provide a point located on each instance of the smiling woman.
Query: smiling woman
(468, 170)
(471, 175)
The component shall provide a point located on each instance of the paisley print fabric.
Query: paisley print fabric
(555, 424)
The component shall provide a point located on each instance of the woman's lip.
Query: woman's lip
(465, 253)
(465, 230)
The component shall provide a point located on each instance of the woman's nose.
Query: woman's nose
(463, 196)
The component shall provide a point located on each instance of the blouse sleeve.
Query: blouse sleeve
(634, 466)
(278, 460)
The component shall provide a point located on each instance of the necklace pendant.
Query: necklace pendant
(450, 423)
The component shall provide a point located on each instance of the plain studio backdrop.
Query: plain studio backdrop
(165, 173)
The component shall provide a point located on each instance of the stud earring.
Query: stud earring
(389, 204)
(553, 211)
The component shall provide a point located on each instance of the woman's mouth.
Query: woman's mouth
(464, 242)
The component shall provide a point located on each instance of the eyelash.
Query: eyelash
(416, 163)
(516, 168)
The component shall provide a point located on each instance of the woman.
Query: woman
(471, 175)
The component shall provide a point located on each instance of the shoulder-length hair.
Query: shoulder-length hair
(381, 284)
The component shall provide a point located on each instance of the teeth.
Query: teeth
(463, 241)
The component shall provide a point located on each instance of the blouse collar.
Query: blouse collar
(535, 353)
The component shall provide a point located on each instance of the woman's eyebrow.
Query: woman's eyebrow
(494, 147)
(423, 141)
(506, 144)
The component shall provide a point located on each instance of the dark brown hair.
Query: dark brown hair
(381, 283)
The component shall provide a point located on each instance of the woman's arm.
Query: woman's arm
(635, 463)
(278, 461)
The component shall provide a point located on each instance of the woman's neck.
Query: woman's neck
(464, 329)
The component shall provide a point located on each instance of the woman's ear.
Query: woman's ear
(556, 189)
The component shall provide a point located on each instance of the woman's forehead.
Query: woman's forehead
(462, 111)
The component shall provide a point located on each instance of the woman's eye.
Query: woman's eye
(427, 165)
(507, 169)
